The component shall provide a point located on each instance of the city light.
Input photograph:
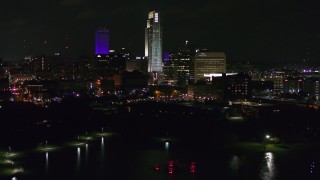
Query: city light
(156, 101)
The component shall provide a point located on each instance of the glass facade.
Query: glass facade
(153, 43)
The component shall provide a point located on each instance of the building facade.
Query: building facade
(178, 69)
(208, 63)
(229, 87)
(102, 41)
(153, 44)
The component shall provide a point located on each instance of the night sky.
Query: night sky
(260, 31)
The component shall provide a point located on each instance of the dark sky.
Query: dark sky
(257, 30)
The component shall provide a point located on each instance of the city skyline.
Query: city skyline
(253, 31)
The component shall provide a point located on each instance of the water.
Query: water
(134, 158)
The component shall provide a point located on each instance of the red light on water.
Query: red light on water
(156, 167)
(170, 166)
(192, 167)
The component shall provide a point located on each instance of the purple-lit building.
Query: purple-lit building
(102, 41)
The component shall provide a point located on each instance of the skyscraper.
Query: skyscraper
(153, 44)
(179, 66)
(102, 41)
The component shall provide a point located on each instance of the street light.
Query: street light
(265, 141)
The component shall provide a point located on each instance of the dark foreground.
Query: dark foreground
(153, 133)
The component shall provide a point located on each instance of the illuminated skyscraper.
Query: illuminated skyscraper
(102, 41)
(153, 44)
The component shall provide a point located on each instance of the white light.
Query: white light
(167, 145)
(47, 160)
(270, 166)
(267, 136)
(87, 150)
(156, 17)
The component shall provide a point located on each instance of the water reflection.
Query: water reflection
(235, 163)
(138, 163)
(268, 169)
(102, 146)
(47, 161)
(78, 156)
(87, 151)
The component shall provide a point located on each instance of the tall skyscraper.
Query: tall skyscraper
(102, 41)
(153, 44)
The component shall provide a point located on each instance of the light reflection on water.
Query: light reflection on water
(87, 151)
(78, 159)
(47, 162)
(102, 146)
(78, 154)
(139, 162)
(268, 168)
(235, 163)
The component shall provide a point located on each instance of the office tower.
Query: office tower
(179, 65)
(102, 41)
(230, 87)
(153, 44)
(209, 63)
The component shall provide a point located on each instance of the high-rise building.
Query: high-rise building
(102, 41)
(178, 67)
(209, 63)
(153, 43)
